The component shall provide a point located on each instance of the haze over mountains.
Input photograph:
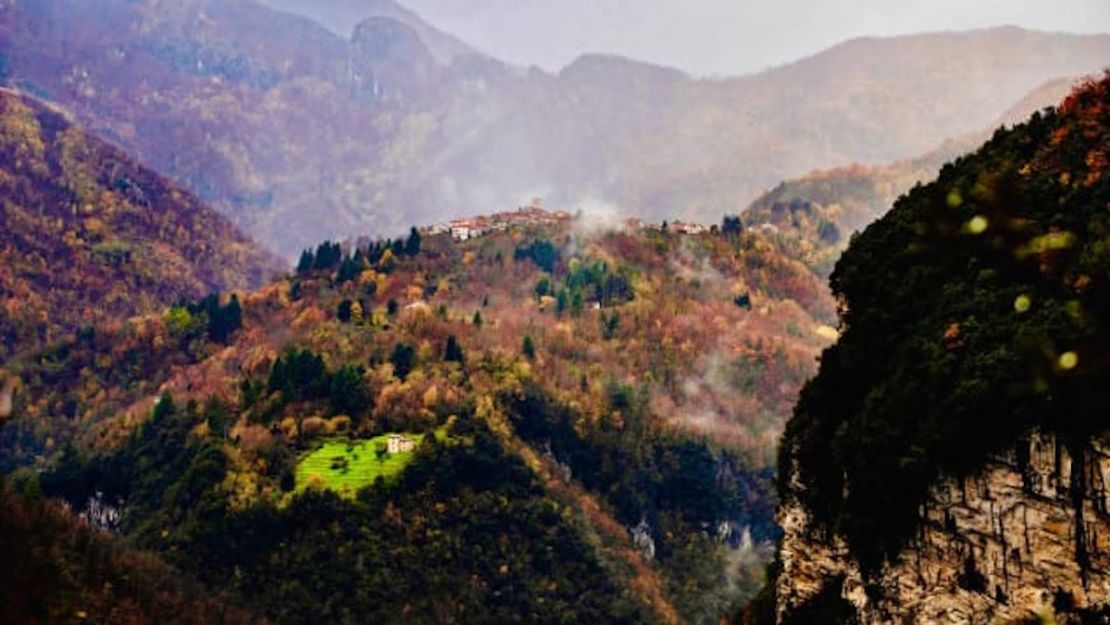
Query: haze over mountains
(327, 137)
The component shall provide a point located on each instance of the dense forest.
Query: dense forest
(986, 292)
(589, 410)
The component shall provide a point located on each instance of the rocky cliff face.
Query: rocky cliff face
(1029, 535)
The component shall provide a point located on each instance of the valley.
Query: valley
(317, 313)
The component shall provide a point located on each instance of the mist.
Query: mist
(711, 37)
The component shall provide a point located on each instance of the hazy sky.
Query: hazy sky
(727, 36)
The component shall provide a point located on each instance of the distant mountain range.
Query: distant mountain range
(88, 236)
(824, 207)
(298, 134)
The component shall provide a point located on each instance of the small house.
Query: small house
(399, 444)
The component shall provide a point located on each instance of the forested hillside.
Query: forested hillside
(88, 236)
(974, 325)
(590, 409)
(62, 570)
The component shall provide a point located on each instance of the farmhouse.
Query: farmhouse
(399, 444)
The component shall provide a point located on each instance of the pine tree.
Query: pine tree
(453, 351)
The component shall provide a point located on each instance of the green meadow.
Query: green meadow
(345, 466)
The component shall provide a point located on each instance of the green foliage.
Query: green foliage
(732, 225)
(610, 324)
(542, 288)
(464, 532)
(328, 256)
(541, 252)
(412, 245)
(348, 392)
(974, 312)
(344, 312)
(403, 359)
(452, 351)
(349, 269)
(69, 572)
(223, 320)
(299, 375)
(644, 474)
(597, 283)
(528, 347)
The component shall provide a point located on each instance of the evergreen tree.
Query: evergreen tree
(402, 358)
(453, 352)
(345, 311)
(529, 347)
(732, 226)
(412, 246)
(307, 262)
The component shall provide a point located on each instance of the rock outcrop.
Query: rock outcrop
(1028, 536)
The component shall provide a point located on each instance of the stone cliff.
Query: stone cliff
(1028, 536)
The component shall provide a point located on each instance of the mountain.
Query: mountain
(654, 142)
(329, 137)
(961, 475)
(342, 16)
(825, 207)
(87, 235)
(589, 408)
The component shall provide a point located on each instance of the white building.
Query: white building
(399, 444)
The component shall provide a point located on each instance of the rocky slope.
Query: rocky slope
(962, 476)
(1002, 544)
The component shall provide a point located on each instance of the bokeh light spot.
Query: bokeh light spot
(1022, 303)
(1069, 360)
(977, 225)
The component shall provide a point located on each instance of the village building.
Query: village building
(399, 444)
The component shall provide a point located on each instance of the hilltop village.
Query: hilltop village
(534, 214)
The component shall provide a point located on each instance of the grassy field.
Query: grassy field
(345, 466)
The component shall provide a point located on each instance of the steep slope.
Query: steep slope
(87, 235)
(342, 16)
(305, 142)
(948, 463)
(596, 409)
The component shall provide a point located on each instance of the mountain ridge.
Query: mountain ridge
(275, 146)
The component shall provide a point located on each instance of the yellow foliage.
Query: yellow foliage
(289, 427)
(431, 397)
(341, 423)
